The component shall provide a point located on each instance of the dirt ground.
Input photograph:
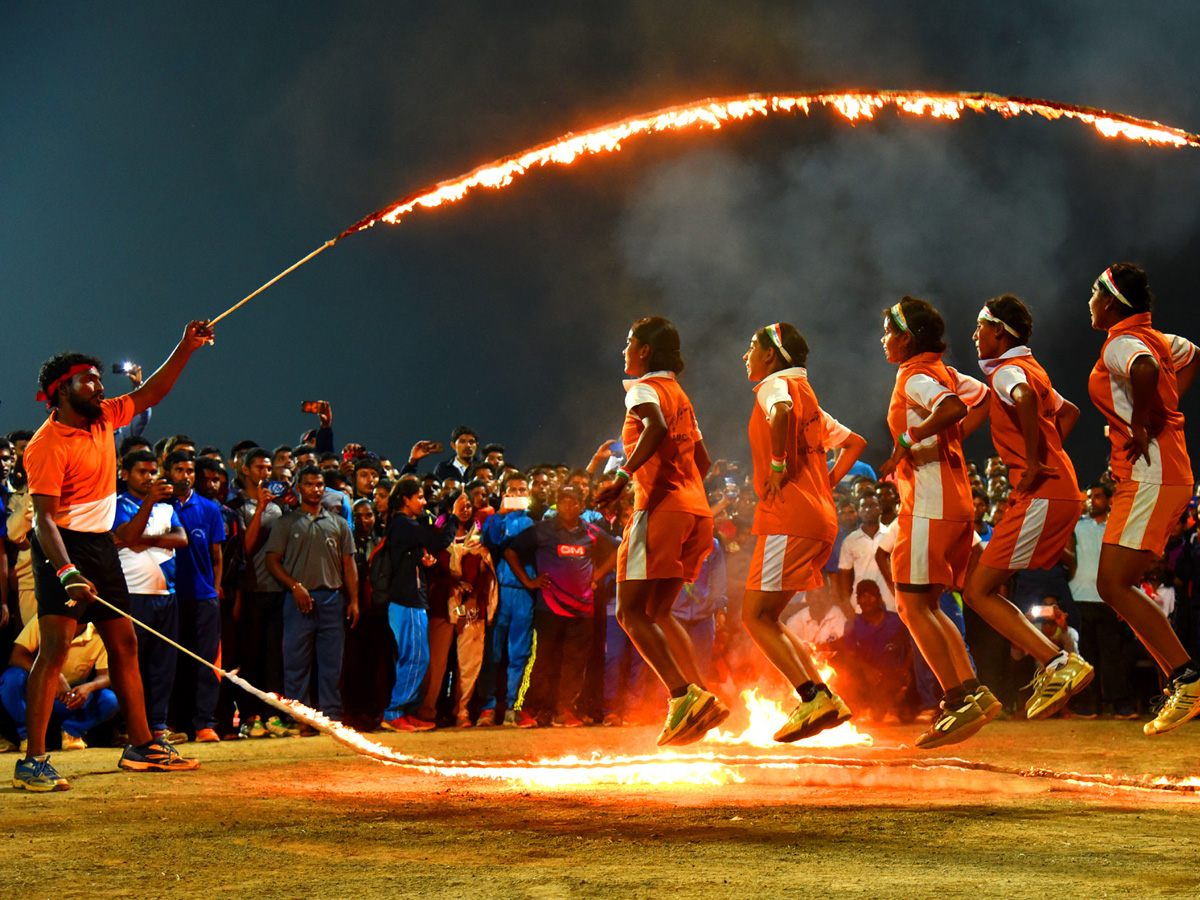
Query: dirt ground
(308, 818)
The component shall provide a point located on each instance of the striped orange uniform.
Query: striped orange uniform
(933, 541)
(670, 532)
(803, 509)
(1039, 522)
(1150, 496)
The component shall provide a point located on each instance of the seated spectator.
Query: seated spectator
(820, 623)
(83, 699)
(880, 656)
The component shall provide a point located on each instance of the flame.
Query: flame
(714, 113)
(767, 717)
(667, 768)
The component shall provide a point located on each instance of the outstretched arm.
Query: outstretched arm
(158, 385)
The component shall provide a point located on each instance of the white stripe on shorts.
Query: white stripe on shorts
(635, 561)
(919, 552)
(1140, 511)
(1030, 534)
(774, 551)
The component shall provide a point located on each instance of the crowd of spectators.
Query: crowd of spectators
(460, 590)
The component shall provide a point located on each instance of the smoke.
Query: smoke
(827, 233)
(825, 237)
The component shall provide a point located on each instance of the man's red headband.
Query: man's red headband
(47, 395)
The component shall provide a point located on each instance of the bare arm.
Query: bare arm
(158, 385)
(947, 413)
(45, 508)
(848, 455)
(1143, 379)
(1026, 403)
(531, 584)
(1065, 418)
(975, 417)
(1185, 376)
(654, 430)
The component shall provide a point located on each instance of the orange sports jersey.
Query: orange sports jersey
(1015, 367)
(932, 478)
(1111, 392)
(79, 467)
(804, 506)
(669, 480)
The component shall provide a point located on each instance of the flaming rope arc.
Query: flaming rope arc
(714, 112)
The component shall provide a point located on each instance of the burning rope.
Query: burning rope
(715, 112)
(667, 766)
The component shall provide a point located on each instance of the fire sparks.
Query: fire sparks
(668, 768)
(714, 113)
(767, 717)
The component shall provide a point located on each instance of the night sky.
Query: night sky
(159, 161)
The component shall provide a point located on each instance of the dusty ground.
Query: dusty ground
(308, 818)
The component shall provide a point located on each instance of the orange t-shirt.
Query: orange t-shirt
(804, 506)
(1004, 374)
(932, 478)
(79, 467)
(670, 478)
(1112, 393)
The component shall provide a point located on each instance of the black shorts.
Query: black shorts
(93, 554)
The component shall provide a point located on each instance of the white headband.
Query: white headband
(1106, 280)
(986, 315)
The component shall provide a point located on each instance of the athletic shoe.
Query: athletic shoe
(808, 718)
(399, 725)
(207, 736)
(1181, 704)
(612, 720)
(171, 737)
(567, 719)
(926, 716)
(510, 717)
(844, 712)
(7, 746)
(464, 722)
(71, 742)
(522, 719)
(987, 702)
(487, 718)
(278, 729)
(1125, 714)
(684, 715)
(256, 729)
(957, 722)
(156, 756)
(38, 775)
(1052, 688)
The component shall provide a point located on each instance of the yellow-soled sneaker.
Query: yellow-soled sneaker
(1182, 704)
(1052, 688)
(957, 722)
(809, 718)
(987, 702)
(685, 714)
(36, 774)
